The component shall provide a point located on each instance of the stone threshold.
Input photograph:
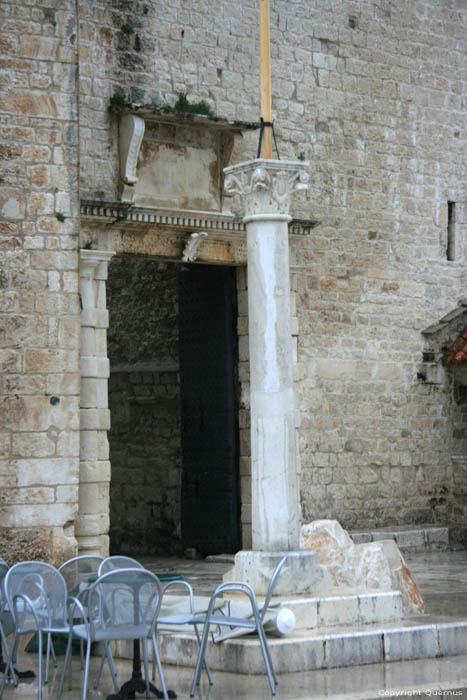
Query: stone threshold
(329, 647)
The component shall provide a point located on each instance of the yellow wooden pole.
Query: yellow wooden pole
(265, 76)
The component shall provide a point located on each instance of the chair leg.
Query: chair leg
(159, 667)
(271, 665)
(39, 666)
(146, 666)
(110, 661)
(205, 663)
(86, 669)
(200, 659)
(66, 661)
(266, 657)
(99, 671)
(47, 657)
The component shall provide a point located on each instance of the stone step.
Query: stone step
(408, 538)
(345, 609)
(332, 647)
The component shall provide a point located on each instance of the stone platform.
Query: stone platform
(327, 647)
(374, 632)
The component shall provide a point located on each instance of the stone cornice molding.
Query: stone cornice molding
(104, 213)
(266, 186)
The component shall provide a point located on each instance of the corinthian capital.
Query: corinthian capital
(266, 186)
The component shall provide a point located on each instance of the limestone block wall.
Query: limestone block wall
(146, 462)
(39, 302)
(144, 400)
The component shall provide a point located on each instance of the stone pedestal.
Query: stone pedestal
(265, 188)
(300, 574)
(93, 519)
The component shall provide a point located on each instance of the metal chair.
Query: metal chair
(36, 596)
(183, 618)
(118, 562)
(78, 573)
(253, 622)
(6, 621)
(121, 604)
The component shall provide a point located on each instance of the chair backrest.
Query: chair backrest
(80, 572)
(272, 583)
(42, 596)
(118, 562)
(122, 598)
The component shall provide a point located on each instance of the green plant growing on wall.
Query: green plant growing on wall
(127, 29)
(122, 216)
(118, 100)
(59, 216)
(184, 105)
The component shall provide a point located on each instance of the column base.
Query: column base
(300, 574)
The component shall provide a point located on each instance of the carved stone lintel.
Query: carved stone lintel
(266, 186)
(131, 136)
(190, 251)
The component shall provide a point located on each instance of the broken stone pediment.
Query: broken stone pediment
(175, 160)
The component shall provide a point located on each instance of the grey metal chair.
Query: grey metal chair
(36, 596)
(79, 572)
(121, 604)
(183, 618)
(6, 621)
(252, 622)
(118, 562)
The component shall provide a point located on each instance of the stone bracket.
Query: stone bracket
(190, 251)
(131, 137)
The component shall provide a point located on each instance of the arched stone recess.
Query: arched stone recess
(94, 477)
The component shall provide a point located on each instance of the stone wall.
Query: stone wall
(144, 400)
(145, 455)
(39, 303)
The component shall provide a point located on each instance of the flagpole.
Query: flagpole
(265, 77)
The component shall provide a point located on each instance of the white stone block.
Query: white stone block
(94, 471)
(67, 494)
(95, 318)
(402, 644)
(53, 470)
(94, 367)
(335, 610)
(93, 498)
(380, 607)
(351, 650)
(92, 525)
(47, 515)
(300, 573)
(95, 419)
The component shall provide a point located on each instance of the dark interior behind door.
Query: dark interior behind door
(210, 519)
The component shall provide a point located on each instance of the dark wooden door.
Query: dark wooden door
(210, 519)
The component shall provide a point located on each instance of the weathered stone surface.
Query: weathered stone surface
(366, 566)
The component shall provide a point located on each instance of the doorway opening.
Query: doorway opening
(172, 346)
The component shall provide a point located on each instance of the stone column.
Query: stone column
(265, 188)
(93, 519)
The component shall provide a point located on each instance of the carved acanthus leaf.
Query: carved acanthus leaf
(266, 187)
